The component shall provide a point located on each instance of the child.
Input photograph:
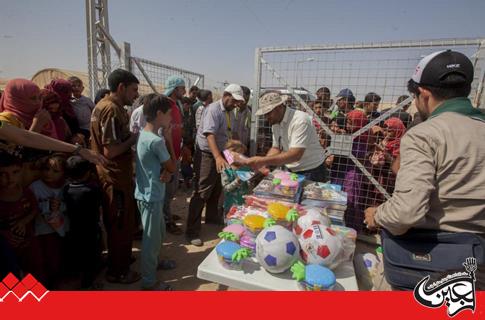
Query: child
(151, 154)
(18, 208)
(51, 224)
(234, 188)
(83, 205)
(58, 128)
(186, 163)
(82, 105)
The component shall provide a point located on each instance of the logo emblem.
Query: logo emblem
(456, 291)
(11, 286)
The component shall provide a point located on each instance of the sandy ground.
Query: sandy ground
(187, 257)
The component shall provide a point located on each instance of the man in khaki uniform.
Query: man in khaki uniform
(441, 181)
(111, 137)
(440, 185)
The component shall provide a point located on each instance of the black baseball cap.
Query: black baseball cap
(434, 69)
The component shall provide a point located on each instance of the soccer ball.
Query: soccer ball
(310, 218)
(321, 245)
(277, 249)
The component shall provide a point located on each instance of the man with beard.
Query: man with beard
(296, 144)
(212, 136)
(110, 137)
(441, 180)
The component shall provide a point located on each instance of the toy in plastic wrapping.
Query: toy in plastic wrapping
(254, 223)
(239, 212)
(280, 185)
(238, 230)
(324, 195)
(248, 241)
(311, 218)
(321, 245)
(282, 214)
(277, 249)
(349, 237)
(262, 203)
(313, 277)
(231, 255)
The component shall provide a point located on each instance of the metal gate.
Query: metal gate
(105, 55)
(379, 68)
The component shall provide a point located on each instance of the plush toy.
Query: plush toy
(254, 223)
(277, 249)
(233, 232)
(321, 245)
(313, 277)
(231, 254)
(311, 218)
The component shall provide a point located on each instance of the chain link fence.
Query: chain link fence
(328, 82)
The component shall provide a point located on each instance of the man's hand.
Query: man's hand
(255, 162)
(165, 177)
(221, 164)
(369, 220)
(94, 157)
(329, 160)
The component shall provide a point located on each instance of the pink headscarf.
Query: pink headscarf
(64, 89)
(358, 119)
(397, 126)
(17, 99)
(56, 128)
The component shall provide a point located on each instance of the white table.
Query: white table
(254, 277)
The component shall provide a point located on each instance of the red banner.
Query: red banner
(231, 304)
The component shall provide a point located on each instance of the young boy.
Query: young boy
(151, 155)
(83, 106)
(18, 208)
(51, 225)
(83, 206)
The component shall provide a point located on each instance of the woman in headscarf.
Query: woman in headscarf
(58, 128)
(384, 158)
(346, 173)
(64, 89)
(20, 106)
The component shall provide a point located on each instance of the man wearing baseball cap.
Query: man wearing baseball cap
(440, 186)
(296, 144)
(212, 136)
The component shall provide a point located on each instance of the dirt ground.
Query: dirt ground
(187, 257)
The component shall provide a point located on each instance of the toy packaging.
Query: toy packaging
(231, 255)
(313, 277)
(281, 185)
(324, 195)
(277, 249)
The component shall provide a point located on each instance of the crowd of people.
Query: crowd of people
(55, 205)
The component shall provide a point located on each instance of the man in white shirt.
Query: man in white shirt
(295, 141)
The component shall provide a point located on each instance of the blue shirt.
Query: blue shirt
(151, 152)
(214, 120)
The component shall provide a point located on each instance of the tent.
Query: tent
(45, 76)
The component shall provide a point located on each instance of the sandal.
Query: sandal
(174, 229)
(127, 278)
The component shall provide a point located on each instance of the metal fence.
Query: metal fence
(152, 75)
(359, 149)
(106, 55)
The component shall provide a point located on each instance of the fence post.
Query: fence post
(125, 57)
(255, 106)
